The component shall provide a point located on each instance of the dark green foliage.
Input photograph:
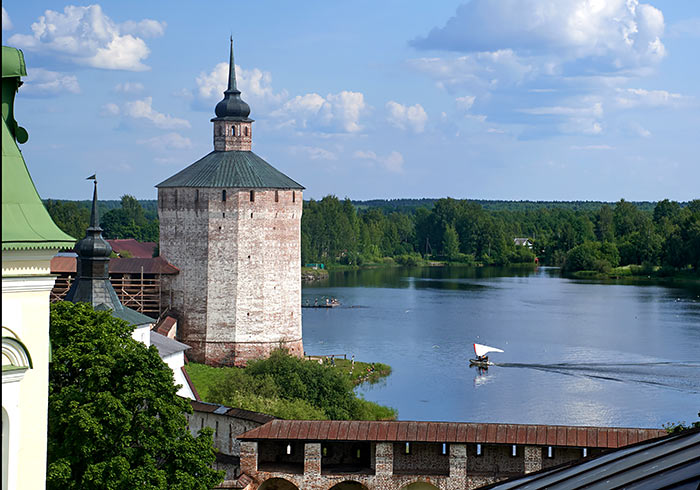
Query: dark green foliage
(115, 420)
(289, 387)
(354, 233)
(69, 216)
(129, 221)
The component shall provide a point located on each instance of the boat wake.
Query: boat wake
(682, 376)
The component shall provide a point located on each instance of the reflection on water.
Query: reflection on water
(576, 352)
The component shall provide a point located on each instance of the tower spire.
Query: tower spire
(95, 213)
(232, 72)
(232, 107)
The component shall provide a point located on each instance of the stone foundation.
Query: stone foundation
(239, 353)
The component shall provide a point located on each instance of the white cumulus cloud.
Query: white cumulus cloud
(41, 82)
(407, 117)
(339, 112)
(169, 141)
(110, 109)
(621, 33)
(465, 103)
(87, 36)
(635, 97)
(142, 109)
(393, 162)
(313, 152)
(255, 86)
(129, 87)
(6, 22)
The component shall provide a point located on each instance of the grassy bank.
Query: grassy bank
(292, 388)
(638, 273)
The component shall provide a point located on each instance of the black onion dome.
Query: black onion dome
(232, 106)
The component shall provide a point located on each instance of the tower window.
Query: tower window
(289, 449)
(550, 452)
(294, 196)
(196, 195)
(245, 131)
(223, 195)
(514, 450)
(444, 448)
(252, 196)
(478, 450)
(407, 449)
(233, 130)
(277, 196)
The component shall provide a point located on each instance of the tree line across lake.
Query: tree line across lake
(576, 235)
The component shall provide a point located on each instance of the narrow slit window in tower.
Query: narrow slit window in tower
(223, 195)
(294, 196)
(252, 196)
(277, 196)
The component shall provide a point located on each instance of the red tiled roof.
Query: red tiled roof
(451, 432)
(165, 325)
(139, 250)
(153, 265)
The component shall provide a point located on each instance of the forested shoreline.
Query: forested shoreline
(575, 235)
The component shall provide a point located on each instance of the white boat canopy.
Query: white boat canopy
(482, 350)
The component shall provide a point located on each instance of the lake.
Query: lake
(576, 352)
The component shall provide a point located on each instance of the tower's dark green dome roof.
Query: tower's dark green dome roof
(232, 106)
(231, 169)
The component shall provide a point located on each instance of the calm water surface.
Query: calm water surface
(576, 352)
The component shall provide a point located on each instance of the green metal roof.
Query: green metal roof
(25, 222)
(231, 169)
(13, 63)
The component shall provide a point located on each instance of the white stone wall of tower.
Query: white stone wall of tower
(184, 243)
(239, 296)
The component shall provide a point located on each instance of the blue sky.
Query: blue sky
(484, 99)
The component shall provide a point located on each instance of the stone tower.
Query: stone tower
(232, 224)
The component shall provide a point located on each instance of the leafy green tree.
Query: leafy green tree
(69, 216)
(289, 387)
(115, 420)
(588, 257)
(450, 242)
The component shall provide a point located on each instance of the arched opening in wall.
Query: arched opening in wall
(348, 485)
(245, 131)
(278, 484)
(420, 485)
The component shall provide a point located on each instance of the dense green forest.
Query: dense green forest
(576, 235)
(126, 218)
